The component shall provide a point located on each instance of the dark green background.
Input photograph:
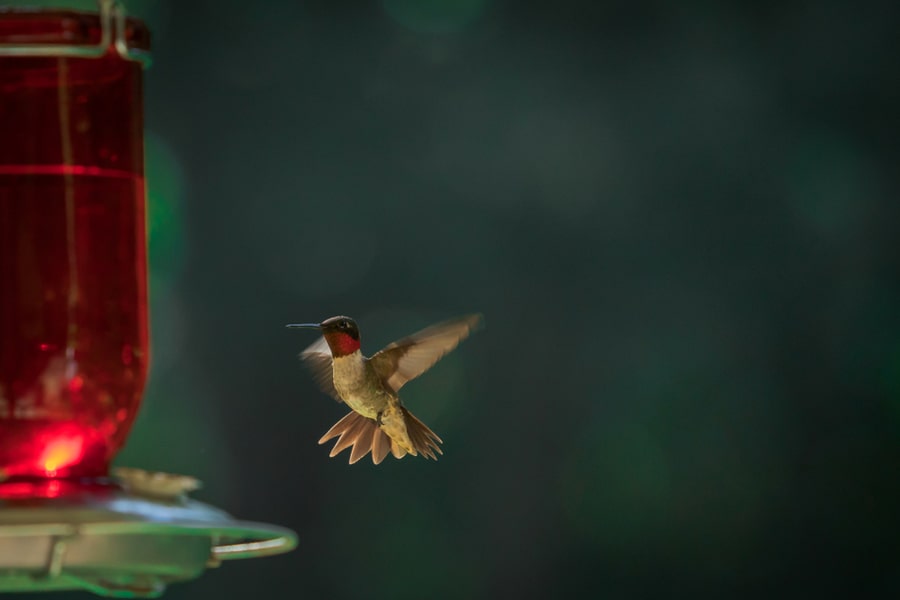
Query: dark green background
(680, 220)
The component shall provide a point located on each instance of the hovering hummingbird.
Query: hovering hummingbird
(378, 421)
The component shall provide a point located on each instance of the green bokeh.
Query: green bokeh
(165, 190)
(435, 16)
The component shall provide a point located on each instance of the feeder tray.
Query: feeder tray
(129, 536)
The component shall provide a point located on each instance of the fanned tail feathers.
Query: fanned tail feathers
(360, 432)
(363, 435)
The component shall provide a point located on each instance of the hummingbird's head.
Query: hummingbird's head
(341, 333)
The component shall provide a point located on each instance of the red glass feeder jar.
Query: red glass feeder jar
(73, 292)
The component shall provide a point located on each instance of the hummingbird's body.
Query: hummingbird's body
(378, 421)
(356, 384)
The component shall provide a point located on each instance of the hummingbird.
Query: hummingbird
(378, 421)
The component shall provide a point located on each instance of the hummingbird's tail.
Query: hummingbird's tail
(364, 435)
(423, 439)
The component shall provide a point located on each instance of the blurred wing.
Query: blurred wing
(411, 356)
(317, 359)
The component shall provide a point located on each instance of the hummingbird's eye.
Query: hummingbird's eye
(344, 325)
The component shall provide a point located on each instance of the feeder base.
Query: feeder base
(129, 537)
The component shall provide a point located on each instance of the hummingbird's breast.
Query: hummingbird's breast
(358, 385)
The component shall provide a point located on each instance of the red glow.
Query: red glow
(73, 310)
(48, 488)
(54, 487)
(41, 448)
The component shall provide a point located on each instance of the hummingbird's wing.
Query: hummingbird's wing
(318, 360)
(411, 356)
(360, 433)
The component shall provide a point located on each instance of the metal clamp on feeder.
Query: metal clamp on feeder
(114, 33)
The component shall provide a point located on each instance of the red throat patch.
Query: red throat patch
(341, 344)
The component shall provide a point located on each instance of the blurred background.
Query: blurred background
(679, 219)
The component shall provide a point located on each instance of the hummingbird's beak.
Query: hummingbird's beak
(303, 325)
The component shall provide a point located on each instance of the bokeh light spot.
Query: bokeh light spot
(76, 384)
(62, 452)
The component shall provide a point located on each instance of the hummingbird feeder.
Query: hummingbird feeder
(74, 342)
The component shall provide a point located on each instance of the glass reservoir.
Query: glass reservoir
(73, 298)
